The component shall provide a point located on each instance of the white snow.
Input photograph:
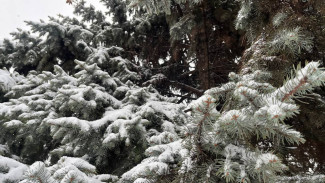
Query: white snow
(146, 167)
(265, 159)
(15, 169)
(7, 80)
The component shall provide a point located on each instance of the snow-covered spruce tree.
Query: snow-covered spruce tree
(202, 35)
(101, 116)
(281, 34)
(90, 108)
(90, 105)
(60, 41)
(239, 142)
(146, 40)
(277, 34)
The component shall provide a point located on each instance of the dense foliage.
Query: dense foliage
(166, 91)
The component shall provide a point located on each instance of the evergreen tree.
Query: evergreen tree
(90, 100)
(202, 35)
(91, 108)
(97, 114)
(238, 143)
(276, 35)
(282, 34)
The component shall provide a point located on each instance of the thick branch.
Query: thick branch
(187, 74)
(186, 87)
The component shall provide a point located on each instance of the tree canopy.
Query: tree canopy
(166, 91)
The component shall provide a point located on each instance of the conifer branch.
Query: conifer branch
(186, 87)
(295, 89)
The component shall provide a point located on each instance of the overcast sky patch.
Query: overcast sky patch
(13, 13)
